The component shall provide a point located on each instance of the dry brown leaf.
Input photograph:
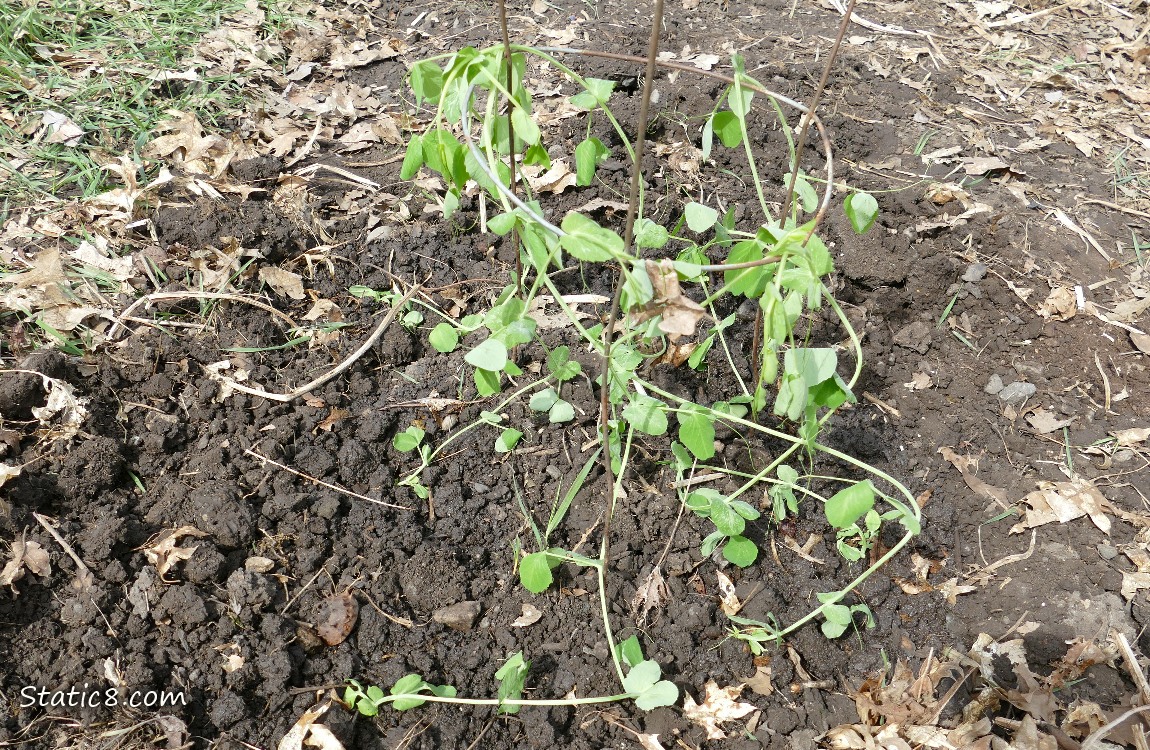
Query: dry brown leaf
(8, 471)
(760, 681)
(1063, 502)
(26, 557)
(334, 417)
(162, 552)
(1060, 304)
(1045, 422)
(1131, 437)
(720, 706)
(1141, 341)
(679, 313)
(59, 128)
(652, 593)
(728, 601)
(308, 731)
(920, 381)
(554, 180)
(531, 615)
(804, 551)
(951, 590)
(283, 283)
(966, 466)
(335, 618)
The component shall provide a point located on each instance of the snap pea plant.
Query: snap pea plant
(481, 131)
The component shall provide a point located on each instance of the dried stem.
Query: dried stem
(613, 317)
(511, 134)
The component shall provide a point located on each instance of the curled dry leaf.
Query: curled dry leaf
(162, 551)
(1063, 502)
(26, 556)
(721, 705)
(1060, 304)
(531, 615)
(335, 618)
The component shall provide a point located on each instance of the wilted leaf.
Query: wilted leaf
(760, 682)
(554, 180)
(335, 618)
(721, 705)
(1063, 502)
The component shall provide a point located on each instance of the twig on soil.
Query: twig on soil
(85, 573)
(882, 405)
(299, 593)
(172, 296)
(1132, 666)
(335, 371)
(1094, 741)
(330, 486)
(1116, 207)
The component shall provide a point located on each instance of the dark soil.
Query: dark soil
(164, 449)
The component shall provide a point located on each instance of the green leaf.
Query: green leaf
(535, 572)
(749, 282)
(525, 127)
(426, 81)
(486, 382)
(561, 411)
(697, 432)
(746, 510)
(650, 234)
(662, 693)
(631, 651)
(682, 458)
(740, 551)
(589, 154)
(808, 198)
(642, 677)
(412, 158)
(408, 440)
(596, 93)
(588, 241)
(444, 338)
(544, 399)
(511, 677)
(838, 620)
(646, 415)
(848, 505)
(726, 124)
(537, 155)
(725, 518)
(862, 210)
(561, 365)
(507, 439)
(700, 218)
(503, 223)
(490, 355)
